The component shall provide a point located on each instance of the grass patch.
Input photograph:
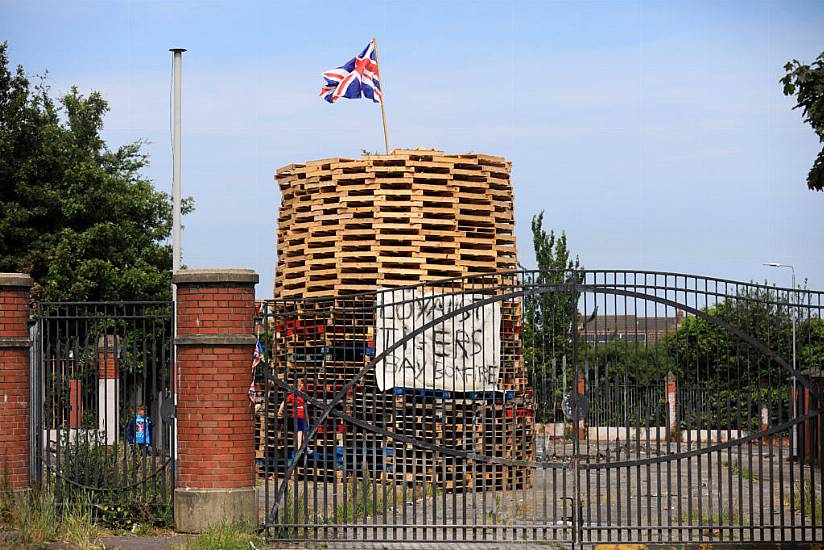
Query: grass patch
(727, 518)
(357, 499)
(229, 536)
(39, 520)
(804, 496)
(365, 498)
(293, 511)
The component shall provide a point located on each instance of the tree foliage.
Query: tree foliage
(74, 214)
(549, 317)
(627, 363)
(709, 354)
(806, 83)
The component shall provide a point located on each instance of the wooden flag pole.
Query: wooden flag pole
(383, 110)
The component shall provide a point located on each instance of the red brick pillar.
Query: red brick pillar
(14, 381)
(215, 419)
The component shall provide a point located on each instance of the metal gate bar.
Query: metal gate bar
(592, 406)
(101, 381)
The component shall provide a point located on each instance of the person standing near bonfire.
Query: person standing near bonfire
(297, 414)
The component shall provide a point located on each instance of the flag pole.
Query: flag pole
(383, 110)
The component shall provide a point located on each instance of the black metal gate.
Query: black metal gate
(102, 383)
(571, 407)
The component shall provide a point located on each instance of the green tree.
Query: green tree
(710, 355)
(74, 214)
(735, 376)
(806, 83)
(550, 316)
(627, 363)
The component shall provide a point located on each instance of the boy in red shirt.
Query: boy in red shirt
(297, 412)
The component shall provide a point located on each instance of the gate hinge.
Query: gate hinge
(168, 410)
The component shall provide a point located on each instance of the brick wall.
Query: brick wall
(14, 380)
(215, 419)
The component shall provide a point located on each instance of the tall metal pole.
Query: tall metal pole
(176, 254)
(178, 57)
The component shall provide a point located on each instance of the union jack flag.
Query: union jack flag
(257, 355)
(359, 77)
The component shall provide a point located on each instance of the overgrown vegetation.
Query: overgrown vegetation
(727, 518)
(37, 519)
(132, 486)
(230, 536)
(741, 471)
(804, 501)
(365, 497)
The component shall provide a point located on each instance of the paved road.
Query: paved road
(720, 496)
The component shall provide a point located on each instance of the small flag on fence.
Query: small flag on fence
(256, 359)
(258, 355)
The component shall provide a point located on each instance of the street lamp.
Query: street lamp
(795, 394)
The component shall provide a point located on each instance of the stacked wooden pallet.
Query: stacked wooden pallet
(348, 227)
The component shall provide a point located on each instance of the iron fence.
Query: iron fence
(572, 407)
(102, 384)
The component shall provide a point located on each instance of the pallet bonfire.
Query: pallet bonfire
(348, 228)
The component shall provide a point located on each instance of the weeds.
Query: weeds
(742, 471)
(77, 525)
(492, 516)
(130, 491)
(230, 536)
(714, 522)
(292, 512)
(366, 498)
(803, 501)
(39, 519)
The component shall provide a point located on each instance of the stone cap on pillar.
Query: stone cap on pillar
(215, 276)
(107, 342)
(16, 279)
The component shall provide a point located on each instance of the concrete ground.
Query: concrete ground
(740, 494)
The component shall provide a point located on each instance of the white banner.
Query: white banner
(460, 354)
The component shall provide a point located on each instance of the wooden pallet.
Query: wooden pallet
(349, 226)
(386, 220)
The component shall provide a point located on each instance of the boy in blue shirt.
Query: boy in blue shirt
(140, 428)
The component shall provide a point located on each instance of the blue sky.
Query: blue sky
(654, 133)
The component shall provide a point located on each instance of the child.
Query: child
(297, 412)
(140, 428)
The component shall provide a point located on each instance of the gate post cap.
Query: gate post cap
(243, 276)
(107, 341)
(670, 377)
(16, 279)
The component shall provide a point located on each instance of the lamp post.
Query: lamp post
(792, 317)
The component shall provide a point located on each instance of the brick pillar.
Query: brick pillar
(670, 390)
(14, 381)
(215, 419)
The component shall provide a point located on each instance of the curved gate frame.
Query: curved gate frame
(512, 292)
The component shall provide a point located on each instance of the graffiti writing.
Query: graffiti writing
(461, 353)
